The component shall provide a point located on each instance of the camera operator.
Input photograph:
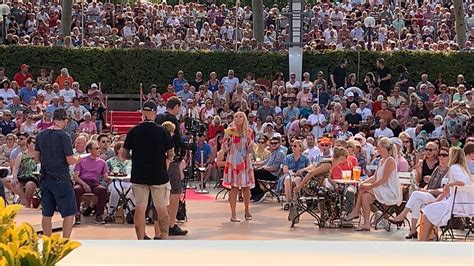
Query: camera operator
(173, 106)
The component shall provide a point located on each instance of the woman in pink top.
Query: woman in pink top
(403, 113)
(88, 126)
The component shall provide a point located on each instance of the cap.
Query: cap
(324, 140)
(268, 124)
(24, 134)
(468, 92)
(94, 85)
(396, 141)
(24, 66)
(149, 106)
(350, 94)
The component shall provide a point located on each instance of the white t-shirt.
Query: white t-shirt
(316, 119)
(77, 113)
(364, 113)
(67, 94)
(230, 83)
(7, 95)
(313, 153)
(411, 131)
(386, 132)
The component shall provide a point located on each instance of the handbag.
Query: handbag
(433, 235)
(181, 214)
(119, 217)
(293, 213)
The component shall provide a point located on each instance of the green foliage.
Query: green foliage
(122, 70)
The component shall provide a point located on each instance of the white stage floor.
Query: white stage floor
(285, 252)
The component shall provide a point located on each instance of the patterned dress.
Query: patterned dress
(238, 170)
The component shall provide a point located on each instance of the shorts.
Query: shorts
(160, 194)
(57, 195)
(175, 179)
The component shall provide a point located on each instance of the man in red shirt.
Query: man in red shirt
(21, 76)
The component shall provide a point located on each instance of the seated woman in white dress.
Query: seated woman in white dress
(384, 186)
(426, 195)
(438, 213)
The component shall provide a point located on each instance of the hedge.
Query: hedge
(122, 70)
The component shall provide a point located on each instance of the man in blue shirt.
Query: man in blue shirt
(290, 113)
(27, 92)
(270, 170)
(469, 151)
(7, 125)
(53, 106)
(179, 82)
(185, 93)
(204, 149)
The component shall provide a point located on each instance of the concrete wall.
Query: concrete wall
(123, 102)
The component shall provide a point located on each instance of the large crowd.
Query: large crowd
(407, 25)
(297, 125)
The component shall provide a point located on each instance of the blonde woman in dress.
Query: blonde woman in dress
(438, 213)
(238, 172)
(384, 186)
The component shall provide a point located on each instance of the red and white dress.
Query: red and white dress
(238, 170)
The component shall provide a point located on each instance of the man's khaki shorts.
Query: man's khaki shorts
(160, 194)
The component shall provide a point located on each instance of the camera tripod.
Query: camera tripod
(192, 170)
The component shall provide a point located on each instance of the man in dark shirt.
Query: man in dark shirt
(54, 151)
(384, 76)
(353, 119)
(172, 109)
(7, 126)
(151, 146)
(339, 75)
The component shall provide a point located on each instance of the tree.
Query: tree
(66, 17)
(257, 17)
(460, 22)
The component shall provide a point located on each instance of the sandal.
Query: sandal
(286, 207)
(235, 220)
(248, 217)
(362, 229)
(345, 219)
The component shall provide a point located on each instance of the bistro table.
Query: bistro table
(117, 180)
(343, 183)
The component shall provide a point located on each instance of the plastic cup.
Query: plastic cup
(356, 173)
(346, 175)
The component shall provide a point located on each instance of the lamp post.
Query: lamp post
(4, 12)
(369, 23)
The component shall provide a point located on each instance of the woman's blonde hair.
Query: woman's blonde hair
(339, 152)
(457, 156)
(244, 125)
(387, 144)
(169, 126)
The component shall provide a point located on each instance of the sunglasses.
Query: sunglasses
(430, 149)
(105, 141)
(443, 155)
(294, 146)
(261, 142)
(21, 138)
(406, 141)
(324, 145)
(274, 143)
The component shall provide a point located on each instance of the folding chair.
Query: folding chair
(468, 212)
(306, 202)
(387, 211)
(270, 187)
